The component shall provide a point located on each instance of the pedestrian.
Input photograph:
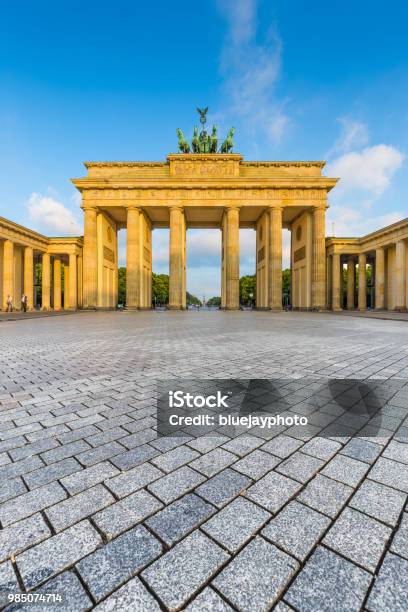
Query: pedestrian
(9, 303)
(24, 302)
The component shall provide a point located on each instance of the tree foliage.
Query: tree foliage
(122, 286)
(247, 289)
(286, 286)
(214, 301)
(192, 299)
(160, 289)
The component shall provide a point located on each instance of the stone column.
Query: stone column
(184, 270)
(328, 282)
(223, 260)
(133, 258)
(379, 279)
(232, 258)
(73, 282)
(90, 259)
(362, 298)
(176, 259)
(351, 271)
(29, 276)
(57, 284)
(46, 282)
(275, 258)
(79, 276)
(8, 273)
(67, 304)
(336, 281)
(319, 259)
(400, 275)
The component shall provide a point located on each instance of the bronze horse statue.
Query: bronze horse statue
(195, 141)
(228, 143)
(183, 145)
(214, 140)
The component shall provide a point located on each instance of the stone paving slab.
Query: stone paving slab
(57, 553)
(256, 577)
(328, 582)
(236, 523)
(109, 567)
(179, 518)
(391, 586)
(359, 538)
(177, 575)
(296, 529)
(96, 505)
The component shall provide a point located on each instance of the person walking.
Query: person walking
(9, 303)
(24, 302)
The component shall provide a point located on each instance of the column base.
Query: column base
(231, 308)
(276, 308)
(262, 308)
(402, 309)
(361, 309)
(336, 309)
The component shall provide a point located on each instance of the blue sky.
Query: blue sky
(111, 81)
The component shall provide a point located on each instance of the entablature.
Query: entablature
(22, 236)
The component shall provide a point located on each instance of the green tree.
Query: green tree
(38, 283)
(160, 288)
(192, 299)
(286, 286)
(214, 301)
(122, 286)
(247, 289)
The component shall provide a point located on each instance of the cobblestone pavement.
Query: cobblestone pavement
(96, 507)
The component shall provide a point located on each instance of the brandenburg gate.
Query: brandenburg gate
(205, 186)
(205, 190)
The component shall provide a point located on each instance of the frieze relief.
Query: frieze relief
(197, 168)
(204, 194)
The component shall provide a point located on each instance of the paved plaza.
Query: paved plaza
(97, 507)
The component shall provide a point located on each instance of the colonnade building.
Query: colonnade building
(206, 191)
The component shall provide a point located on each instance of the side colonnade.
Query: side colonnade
(369, 272)
(48, 271)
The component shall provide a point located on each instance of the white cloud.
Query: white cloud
(369, 170)
(354, 134)
(76, 198)
(51, 216)
(251, 70)
(348, 221)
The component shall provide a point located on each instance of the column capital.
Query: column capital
(87, 208)
(177, 207)
(133, 207)
(275, 206)
(322, 207)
